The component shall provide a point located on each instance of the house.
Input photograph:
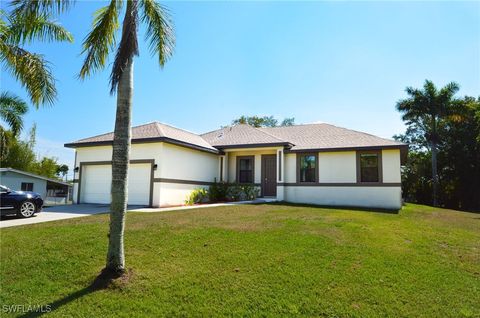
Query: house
(51, 190)
(313, 163)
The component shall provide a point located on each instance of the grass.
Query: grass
(252, 260)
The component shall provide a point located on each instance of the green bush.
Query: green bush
(224, 191)
(199, 195)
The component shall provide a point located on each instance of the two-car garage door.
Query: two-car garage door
(97, 179)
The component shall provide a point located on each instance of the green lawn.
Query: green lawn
(253, 260)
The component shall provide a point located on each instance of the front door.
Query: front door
(269, 175)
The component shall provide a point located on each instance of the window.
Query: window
(245, 169)
(307, 168)
(369, 164)
(26, 186)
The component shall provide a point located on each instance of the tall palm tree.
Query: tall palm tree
(425, 108)
(97, 46)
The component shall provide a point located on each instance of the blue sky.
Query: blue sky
(345, 63)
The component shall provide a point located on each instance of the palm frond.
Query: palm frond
(12, 108)
(160, 31)
(128, 47)
(39, 7)
(24, 29)
(32, 71)
(101, 39)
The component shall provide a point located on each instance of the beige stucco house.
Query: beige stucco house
(313, 163)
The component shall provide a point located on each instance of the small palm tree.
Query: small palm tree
(425, 109)
(12, 109)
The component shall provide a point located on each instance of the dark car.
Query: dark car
(22, 203)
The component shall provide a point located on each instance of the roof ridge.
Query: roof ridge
(260, 129)
(159, 128)
(182, 129)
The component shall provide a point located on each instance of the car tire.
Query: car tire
(27, 209)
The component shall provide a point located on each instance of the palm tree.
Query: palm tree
(425, 109)
(12, 109)
(30, 69)
(97, 46)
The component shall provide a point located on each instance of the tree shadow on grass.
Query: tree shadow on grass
(334, 207)
(104, 280)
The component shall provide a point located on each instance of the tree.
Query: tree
(265, 121)
(97, 46)
(62, 170)
(423, 111)
(30, 69)
(12, 109)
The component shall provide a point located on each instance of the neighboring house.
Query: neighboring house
(314, 163)
(50, 189)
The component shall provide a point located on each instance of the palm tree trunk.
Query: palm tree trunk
(120, 163)
(434, 173)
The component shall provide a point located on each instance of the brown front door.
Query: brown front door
(269, 175)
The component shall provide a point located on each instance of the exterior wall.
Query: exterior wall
(184, 165)
(337, 166)
(257, 153)
(391, 165)
(188, 164)
(173, 163)
(14, 181)
(371, 197)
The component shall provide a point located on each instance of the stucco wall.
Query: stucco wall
(14, 181)
(337, 166)
(375, 197)
(188, 164)
(232, 162)
(173, 162)
(391, 165)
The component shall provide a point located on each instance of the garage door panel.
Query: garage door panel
(97, 180)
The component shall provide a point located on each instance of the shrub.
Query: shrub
(199, 195)
(218, 191)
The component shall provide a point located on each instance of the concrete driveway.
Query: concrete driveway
(56, 213)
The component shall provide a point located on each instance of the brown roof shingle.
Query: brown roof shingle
(241, 135)
(153, 131)
(326, 136)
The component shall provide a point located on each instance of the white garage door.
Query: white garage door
(97, 180)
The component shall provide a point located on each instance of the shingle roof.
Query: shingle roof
(297, 138)
(153, 131)
(326, 136)
(241, 135)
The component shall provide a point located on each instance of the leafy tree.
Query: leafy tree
(46, 166)
(423, 111)
(62, 170)
(458, 160)
(265, 121)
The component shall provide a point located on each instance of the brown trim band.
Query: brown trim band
(401, 147)
(266, 145)
(335, 184)
(143, 141)
(100, 163)
(181, 181)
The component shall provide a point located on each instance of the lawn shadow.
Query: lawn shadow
(103, 281)
(335, 207)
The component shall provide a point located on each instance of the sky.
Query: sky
(343, 63)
